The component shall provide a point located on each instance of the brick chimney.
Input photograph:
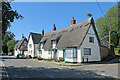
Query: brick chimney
(42, 32)
(54, 28)
(22, 36)
(73, 21)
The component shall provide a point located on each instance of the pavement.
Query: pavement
(32, 69)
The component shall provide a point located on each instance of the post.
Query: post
(1, 28)
(110, 36)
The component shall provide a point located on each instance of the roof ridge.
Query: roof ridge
(72, 25)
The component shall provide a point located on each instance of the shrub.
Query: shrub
(39, 58)
(48, 59)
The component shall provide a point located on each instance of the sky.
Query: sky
(43, 15)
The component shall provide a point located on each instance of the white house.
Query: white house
(76, 43)
(21, 46)
(33, 43)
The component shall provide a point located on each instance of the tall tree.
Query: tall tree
(8, 16)
(103, 24)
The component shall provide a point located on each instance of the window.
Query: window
(87, 51)
(69, 52)
(91, 39)
(40, 52)
(30, 45)
(53, 42)
(49, 52)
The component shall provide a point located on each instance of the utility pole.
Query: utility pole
(110, 35)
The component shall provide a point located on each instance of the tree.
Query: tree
(7, 37)
(8, 16)
(10, 45)
(103, 23)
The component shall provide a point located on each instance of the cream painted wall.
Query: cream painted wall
(95, 49)
(30, 50)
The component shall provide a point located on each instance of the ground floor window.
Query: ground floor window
(49, 52)
(87, 51)
(40, 51)
(71, 52)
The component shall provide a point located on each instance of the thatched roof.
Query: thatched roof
(71, 36)
(19, 43)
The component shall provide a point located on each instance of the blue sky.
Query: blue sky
(39, 15)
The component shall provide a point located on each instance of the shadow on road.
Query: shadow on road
(41, 73)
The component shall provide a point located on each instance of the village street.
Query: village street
(28, 68)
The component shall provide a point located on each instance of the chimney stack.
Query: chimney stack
(22, 36)
(54, 28)
(73, 21)
(42, 32)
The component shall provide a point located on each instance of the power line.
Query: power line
(100, 8)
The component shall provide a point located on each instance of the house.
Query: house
(19, 46)
(33, 43)
(76, 43)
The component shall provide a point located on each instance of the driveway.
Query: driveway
(32, 69)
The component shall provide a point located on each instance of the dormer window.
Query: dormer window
(53, 42)
(41, 44)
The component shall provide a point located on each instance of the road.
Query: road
(32, 69)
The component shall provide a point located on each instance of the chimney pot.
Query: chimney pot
(22, 36)
(73, 21)
(42, 32)
(54, 28)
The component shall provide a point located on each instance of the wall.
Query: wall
(16, 52)
(103, 52)
(30, 50)
(95, 49)
(59, 54)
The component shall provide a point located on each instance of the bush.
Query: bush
(61, 59)
(39, 58)
(48, 59)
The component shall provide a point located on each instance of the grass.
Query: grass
(116, 50)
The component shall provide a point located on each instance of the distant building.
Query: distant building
(33, 43)
(20, 45)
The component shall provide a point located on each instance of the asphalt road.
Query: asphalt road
(31, 69)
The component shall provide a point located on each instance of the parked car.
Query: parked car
(20, 56)
(10, 54)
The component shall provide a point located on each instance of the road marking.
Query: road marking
(5, 70)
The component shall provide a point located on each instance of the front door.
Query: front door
(55, 53)
(64, 54)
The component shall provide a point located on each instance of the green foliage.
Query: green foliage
(10, 45)
(7, 37)
(48, 59)
(8, 16)
(103, 23)
(39, 58)
(116, 50)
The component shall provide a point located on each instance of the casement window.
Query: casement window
(40, 51)
(91, 39)
(87, 51)
(70, 53)
(49, 52)
(30, 45)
